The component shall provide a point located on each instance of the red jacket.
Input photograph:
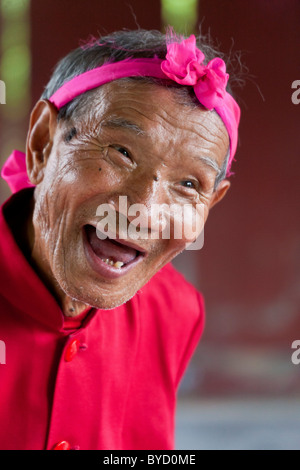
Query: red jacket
(108, 384)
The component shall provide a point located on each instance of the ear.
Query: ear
(219, 193)
(42, 127)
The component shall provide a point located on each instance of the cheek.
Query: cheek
(83, 177)
(41, 215)
(49, 216)
(187, 222)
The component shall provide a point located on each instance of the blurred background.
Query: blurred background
(241, 390)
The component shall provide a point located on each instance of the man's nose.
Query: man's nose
(146, 188)
(147, 200)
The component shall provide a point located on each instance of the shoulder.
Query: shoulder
(169, 288)
(172, 312)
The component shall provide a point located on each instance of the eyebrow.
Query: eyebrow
(115, 122)
(211, 163)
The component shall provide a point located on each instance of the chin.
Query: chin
(95, 296)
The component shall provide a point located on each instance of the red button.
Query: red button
(72, 350)
(62, 445)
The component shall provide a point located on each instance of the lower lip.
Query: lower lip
(104, 269)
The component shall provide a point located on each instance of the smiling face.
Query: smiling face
(139, 143)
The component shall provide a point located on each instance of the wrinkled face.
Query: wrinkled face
(139, 144)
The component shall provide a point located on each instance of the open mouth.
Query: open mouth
(109, 257)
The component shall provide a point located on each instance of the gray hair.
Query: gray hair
(115, 47)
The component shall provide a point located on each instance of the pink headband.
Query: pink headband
(183, 64)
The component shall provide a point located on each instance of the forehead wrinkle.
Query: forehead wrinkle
(204, 137)
(166, 121)
(210, 134)
(166, 124)
(150, 122)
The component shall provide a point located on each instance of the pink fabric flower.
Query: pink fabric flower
(184, 65)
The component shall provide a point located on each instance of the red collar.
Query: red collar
(22, 287)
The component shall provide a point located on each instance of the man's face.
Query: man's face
(141, 144)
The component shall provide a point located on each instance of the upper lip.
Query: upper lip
(125, 242)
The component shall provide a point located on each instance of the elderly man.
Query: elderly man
(98, 326)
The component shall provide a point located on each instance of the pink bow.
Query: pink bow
(14, 172)
(184, 65)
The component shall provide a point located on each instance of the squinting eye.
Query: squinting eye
(123, 151)
(188, 184)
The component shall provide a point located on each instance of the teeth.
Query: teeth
(117, 264)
